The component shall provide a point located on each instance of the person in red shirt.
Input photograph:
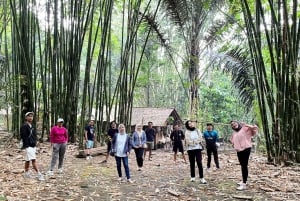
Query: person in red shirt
(59, 140)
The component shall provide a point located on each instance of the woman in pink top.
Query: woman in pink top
(59, 140)
(241, 141)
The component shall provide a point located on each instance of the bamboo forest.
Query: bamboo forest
(205, 61)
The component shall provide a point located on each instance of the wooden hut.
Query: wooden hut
(162, 119)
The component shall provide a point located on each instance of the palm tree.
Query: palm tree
(191, 19)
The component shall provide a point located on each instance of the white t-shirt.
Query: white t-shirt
(120, 145)
(194, 136)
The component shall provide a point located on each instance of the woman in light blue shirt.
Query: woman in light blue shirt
(121, 146)
(139, 140)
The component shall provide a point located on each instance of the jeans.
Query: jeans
(243, 157)
(59, 151)
(125, 163)
(214, 151)
(139, 152)
(195, 154)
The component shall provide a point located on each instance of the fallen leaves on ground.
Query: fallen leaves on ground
(160, 179)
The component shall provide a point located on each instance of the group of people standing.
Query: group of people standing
(120, 143)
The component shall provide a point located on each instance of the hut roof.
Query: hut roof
(159, 116)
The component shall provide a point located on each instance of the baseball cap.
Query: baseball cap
(60, 120)
(28, 113)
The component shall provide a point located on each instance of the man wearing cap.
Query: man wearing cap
(59, 140)
(211, 138)
(29, 138)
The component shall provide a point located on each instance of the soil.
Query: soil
(160, 178)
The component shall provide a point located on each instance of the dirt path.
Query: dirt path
(91, 180)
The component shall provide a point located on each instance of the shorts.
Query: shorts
(150, 145)
(89, 144)
(108, 146)
(30, 153)
(178, 146)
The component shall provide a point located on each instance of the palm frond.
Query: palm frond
(237, 62)
(240, 66)
(151, 23)
(177, 11)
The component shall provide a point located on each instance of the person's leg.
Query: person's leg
(150, 150)
(27, 164)
(126, 166)
(54, 156)
(62, 151)
(108, 150)
(140, 157)
(182, 151)
(191, 154)
(34, 165)
(243, 157)
(216, 158)
(136, 151)
(118, 162)
(199, 162)
(208, 151)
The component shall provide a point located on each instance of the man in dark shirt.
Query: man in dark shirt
(29, 138)
(176, 137)
(110, 135)
(89, 134)
(150, 135)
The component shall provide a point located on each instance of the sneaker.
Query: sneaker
(87, 157)
(202, 181)
(240, 183)
(41, 177)
(208, 169)
(27, 175)
(120, 179)
(129, 181)
(50, 173)
(105, 161)
(192, 179)
(242, 187)
(60, 170)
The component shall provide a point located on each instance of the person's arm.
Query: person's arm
(67, 136)
(133, 140)
(253, 128)
(182, 135)
(24, 136)
(172, 136)
(129, 144)
(144, 138)
(85, 134)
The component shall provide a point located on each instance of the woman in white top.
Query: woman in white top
(193, 142)
(121, 146)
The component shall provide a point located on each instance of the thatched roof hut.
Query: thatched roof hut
(159, 116)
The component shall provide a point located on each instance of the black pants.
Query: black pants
(243, 157)
(195, 154)
(212, 150)
(139, 152)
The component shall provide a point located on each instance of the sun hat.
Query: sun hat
(59, 120)
(28, 113)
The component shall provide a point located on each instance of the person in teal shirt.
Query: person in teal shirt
(211, 138)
